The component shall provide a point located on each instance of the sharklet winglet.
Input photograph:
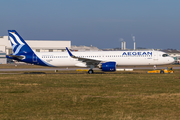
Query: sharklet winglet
(70, 54)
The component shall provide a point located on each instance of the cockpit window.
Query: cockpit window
(165, 55)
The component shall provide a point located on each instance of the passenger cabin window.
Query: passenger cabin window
(165, 55)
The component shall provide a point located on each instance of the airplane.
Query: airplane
(105, 60)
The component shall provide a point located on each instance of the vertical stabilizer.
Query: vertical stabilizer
(19, 46)
(22, 51)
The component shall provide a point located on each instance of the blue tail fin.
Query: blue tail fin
(22, 51)
(19, 46)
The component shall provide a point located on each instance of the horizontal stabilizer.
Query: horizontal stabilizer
(16, 56)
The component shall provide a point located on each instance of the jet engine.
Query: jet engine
(108, 66)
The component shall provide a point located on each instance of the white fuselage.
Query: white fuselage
(121, 58)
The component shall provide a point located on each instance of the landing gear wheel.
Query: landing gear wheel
(90, 71)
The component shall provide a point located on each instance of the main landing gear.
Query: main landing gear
(90, 71)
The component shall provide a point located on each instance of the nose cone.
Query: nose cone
(171, 60)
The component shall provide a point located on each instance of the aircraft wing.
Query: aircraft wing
(86, 60)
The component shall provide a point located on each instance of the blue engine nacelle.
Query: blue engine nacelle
(108, 66)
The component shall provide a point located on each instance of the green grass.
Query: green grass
(119, 95)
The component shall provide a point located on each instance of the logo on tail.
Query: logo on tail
(22, 51)
(17, 44)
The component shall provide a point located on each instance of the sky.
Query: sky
(101, 23)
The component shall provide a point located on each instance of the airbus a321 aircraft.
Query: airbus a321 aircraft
(105, 60)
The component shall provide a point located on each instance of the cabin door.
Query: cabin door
(155, 56)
